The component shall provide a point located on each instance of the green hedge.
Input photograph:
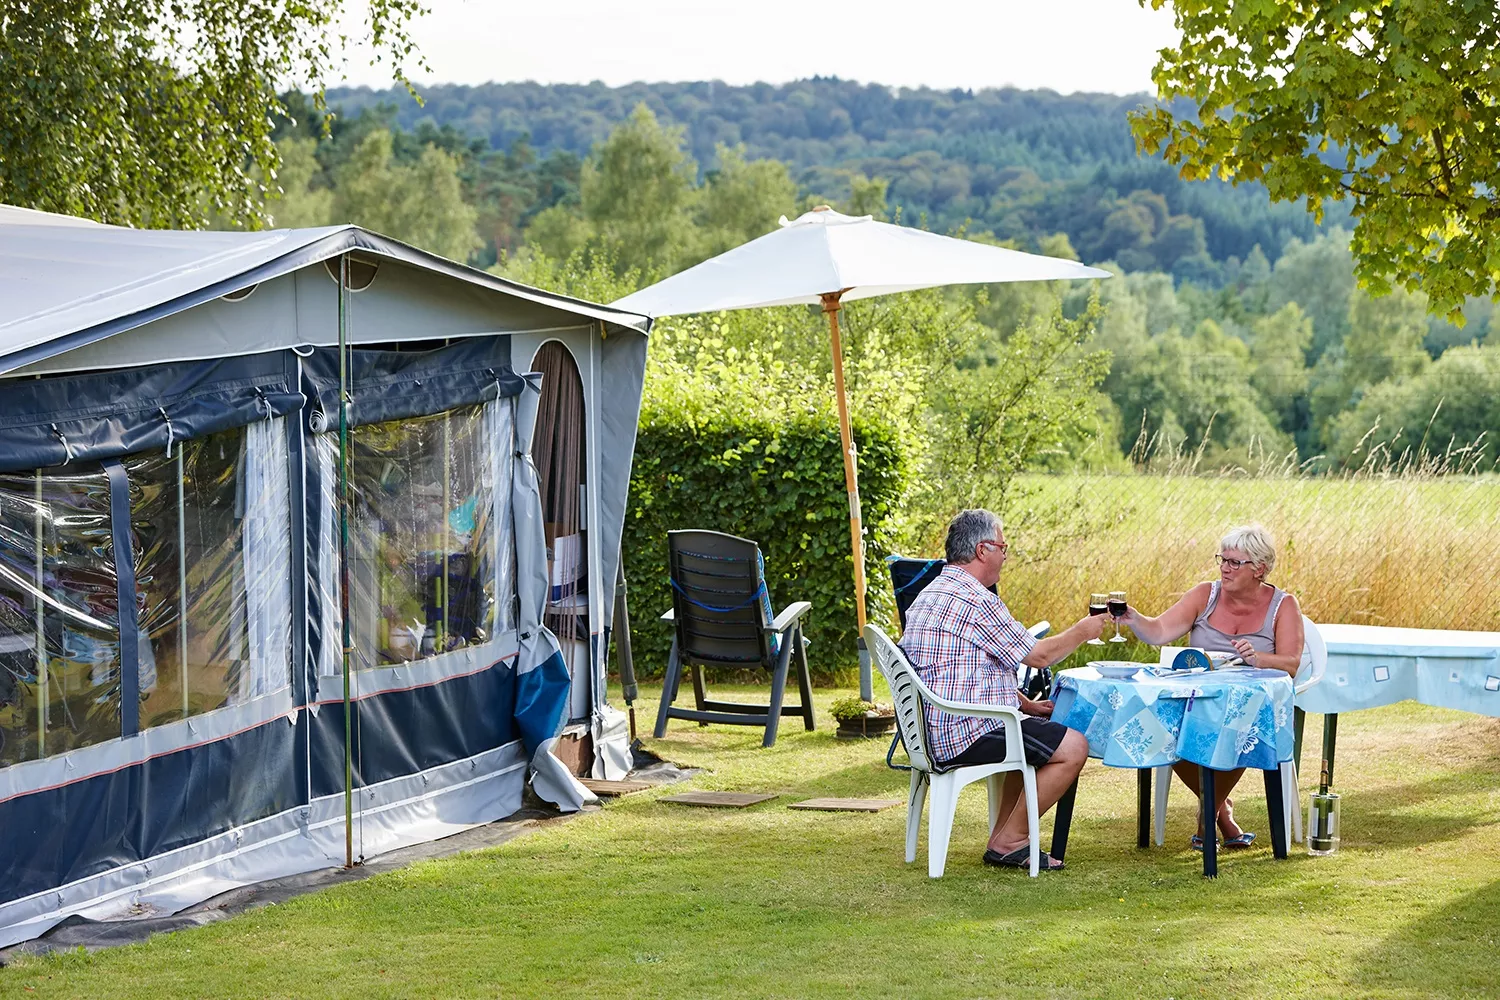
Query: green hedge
(775, 475)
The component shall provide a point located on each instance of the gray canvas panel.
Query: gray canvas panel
(65, 287)
(618, 402)
(532, 583)
(216, 329)
(541, 680)
(373, 681)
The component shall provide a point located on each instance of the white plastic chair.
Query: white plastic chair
(910, 695)
(1314, 663)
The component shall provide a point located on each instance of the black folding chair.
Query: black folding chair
(721, 612)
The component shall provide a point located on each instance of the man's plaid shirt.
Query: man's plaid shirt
(965, 646)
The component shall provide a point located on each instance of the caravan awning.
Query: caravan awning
(66, 282)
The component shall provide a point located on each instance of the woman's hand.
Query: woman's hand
(1247, 652)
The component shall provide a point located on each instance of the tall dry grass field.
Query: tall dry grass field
(1412, 550)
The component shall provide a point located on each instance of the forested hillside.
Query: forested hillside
(1019, 164)
(1234, 330)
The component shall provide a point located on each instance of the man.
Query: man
(965, 646)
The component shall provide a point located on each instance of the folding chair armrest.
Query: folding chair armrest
(1040, 629)
(669, 616)
(1013, 746)
(974, 709)
(788, 616)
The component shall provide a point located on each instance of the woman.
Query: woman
(1238, 613)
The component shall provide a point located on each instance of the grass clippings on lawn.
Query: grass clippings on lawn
(644, 899)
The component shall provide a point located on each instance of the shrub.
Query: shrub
(736, 443)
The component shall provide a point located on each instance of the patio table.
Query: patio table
(1136, 715)
(1374, 665)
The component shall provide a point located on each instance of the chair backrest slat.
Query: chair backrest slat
(906, 693)
(717, 598)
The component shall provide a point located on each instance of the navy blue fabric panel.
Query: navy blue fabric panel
(296, 477)
(50, 421)
(394, 385)
(58, 835)
(130, 627)
(403, 732)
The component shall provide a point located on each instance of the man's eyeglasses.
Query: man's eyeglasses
(1233, 563)
(1004, 547)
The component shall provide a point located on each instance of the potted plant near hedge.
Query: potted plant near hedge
(859, 719)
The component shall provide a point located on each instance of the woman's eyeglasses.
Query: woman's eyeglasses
(1233, 563)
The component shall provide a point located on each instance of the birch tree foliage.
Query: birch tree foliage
(161, 112)
(1393, 105)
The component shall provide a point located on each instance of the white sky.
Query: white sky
(1064, 45)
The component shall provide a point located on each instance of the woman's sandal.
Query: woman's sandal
(1244, 840)
(1021, 858)
(1196, 843)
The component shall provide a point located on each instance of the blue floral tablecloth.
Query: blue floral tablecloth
(1135, 715)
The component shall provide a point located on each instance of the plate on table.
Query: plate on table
(1117, 669)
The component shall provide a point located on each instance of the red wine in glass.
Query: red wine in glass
(1117, 607)
(1098, 604)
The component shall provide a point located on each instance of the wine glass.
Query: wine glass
(1117, 607)
(1098, 604)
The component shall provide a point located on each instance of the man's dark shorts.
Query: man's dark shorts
(1040, 739)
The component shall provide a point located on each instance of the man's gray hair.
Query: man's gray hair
(967, 529)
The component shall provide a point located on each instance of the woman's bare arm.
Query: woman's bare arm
(1172, 623)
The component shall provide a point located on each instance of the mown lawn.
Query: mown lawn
(649, 899)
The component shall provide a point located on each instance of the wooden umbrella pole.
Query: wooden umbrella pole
(851, 482)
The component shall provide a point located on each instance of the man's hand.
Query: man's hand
(1088, 628)
(1041, 709)
(1057, 646)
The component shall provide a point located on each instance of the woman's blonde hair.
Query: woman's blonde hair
(1253, 540)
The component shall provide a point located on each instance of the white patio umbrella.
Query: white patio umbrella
(826, 258)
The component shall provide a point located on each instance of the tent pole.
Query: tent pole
(443, 633)
(343, 486)
(831, 306)
(42, 694)
(622, 643)
(182, 591)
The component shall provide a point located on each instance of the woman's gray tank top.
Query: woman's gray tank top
(1262, 640)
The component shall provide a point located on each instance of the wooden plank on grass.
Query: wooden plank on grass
(720, 800)
(609, 789)
(846, 805)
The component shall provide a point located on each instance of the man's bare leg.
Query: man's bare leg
(1053, 779)
(1010, 795)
